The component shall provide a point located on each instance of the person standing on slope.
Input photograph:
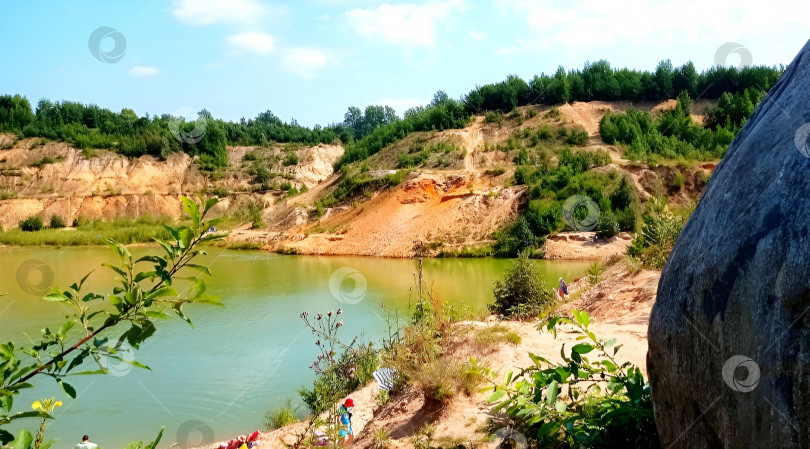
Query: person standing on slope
(562, 290)
(346, 432)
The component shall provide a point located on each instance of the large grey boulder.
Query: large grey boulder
(729, 335)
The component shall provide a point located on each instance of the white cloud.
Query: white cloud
(506, 51)
(143, 71)
(403, 24)
(305, 62)
(590, 23)
(478, 35)
(251, 42)
(206, 12)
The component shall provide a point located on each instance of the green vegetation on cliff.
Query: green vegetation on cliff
(365, 133)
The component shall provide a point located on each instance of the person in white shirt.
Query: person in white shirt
(86, 444)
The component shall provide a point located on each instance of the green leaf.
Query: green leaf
(548, 429)
(66, 327)
(145, 275)
(22, 441)
(161, 292)
(185, 238)
(5, 437)
(178, 309)
(116, 269)
(69, 390)
(582, 348)
(201, 268)
(560, 406)
(156, 314)
(154, 443)
(192, 210)
(552, 392)
(78, 360)
(210, 203)
(90, 297)
(585, 319)
(56, 297)
(81, 283)
(86, 373)
(496, 396)
(611, 367)
(31, 414)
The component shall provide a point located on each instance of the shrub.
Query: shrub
(653, 245)
(407, 161)
(393, 179)
(497, 171)
(31, 224)
(493, 117)
(522, 293)
(678, 180)
(260, 173)
(607, 226)
(577, 136)
(595, 270)
(44, 161)
(492, 335)
(569, 404)
(57, 222)
(220, 192)
(381, 437)
(544, 132)
(581, 161)
(291, 158)
(7, 194)
(280, 417)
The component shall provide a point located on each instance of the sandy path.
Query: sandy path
(582, 246)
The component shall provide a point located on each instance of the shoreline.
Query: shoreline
(623, 315)
(563, 246)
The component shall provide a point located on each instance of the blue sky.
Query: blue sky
(310, 60)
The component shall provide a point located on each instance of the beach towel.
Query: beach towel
(384, 378)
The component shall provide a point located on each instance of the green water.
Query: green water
(217, 380)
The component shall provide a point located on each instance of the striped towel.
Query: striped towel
(384, 378)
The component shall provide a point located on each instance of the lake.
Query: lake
(218, 379)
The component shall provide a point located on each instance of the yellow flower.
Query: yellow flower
(46, 405)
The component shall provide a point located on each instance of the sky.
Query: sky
(311, 60)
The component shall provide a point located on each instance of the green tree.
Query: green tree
(559, 89)
(664, 75)
(522, 293)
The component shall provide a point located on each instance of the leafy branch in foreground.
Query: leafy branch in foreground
(141, 296)
(589, 400)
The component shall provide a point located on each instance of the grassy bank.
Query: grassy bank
(123, 230)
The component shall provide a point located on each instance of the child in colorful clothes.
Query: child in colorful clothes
(346, 432)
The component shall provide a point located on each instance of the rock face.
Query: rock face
(729, 336)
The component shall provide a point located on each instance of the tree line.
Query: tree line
(365, 132)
